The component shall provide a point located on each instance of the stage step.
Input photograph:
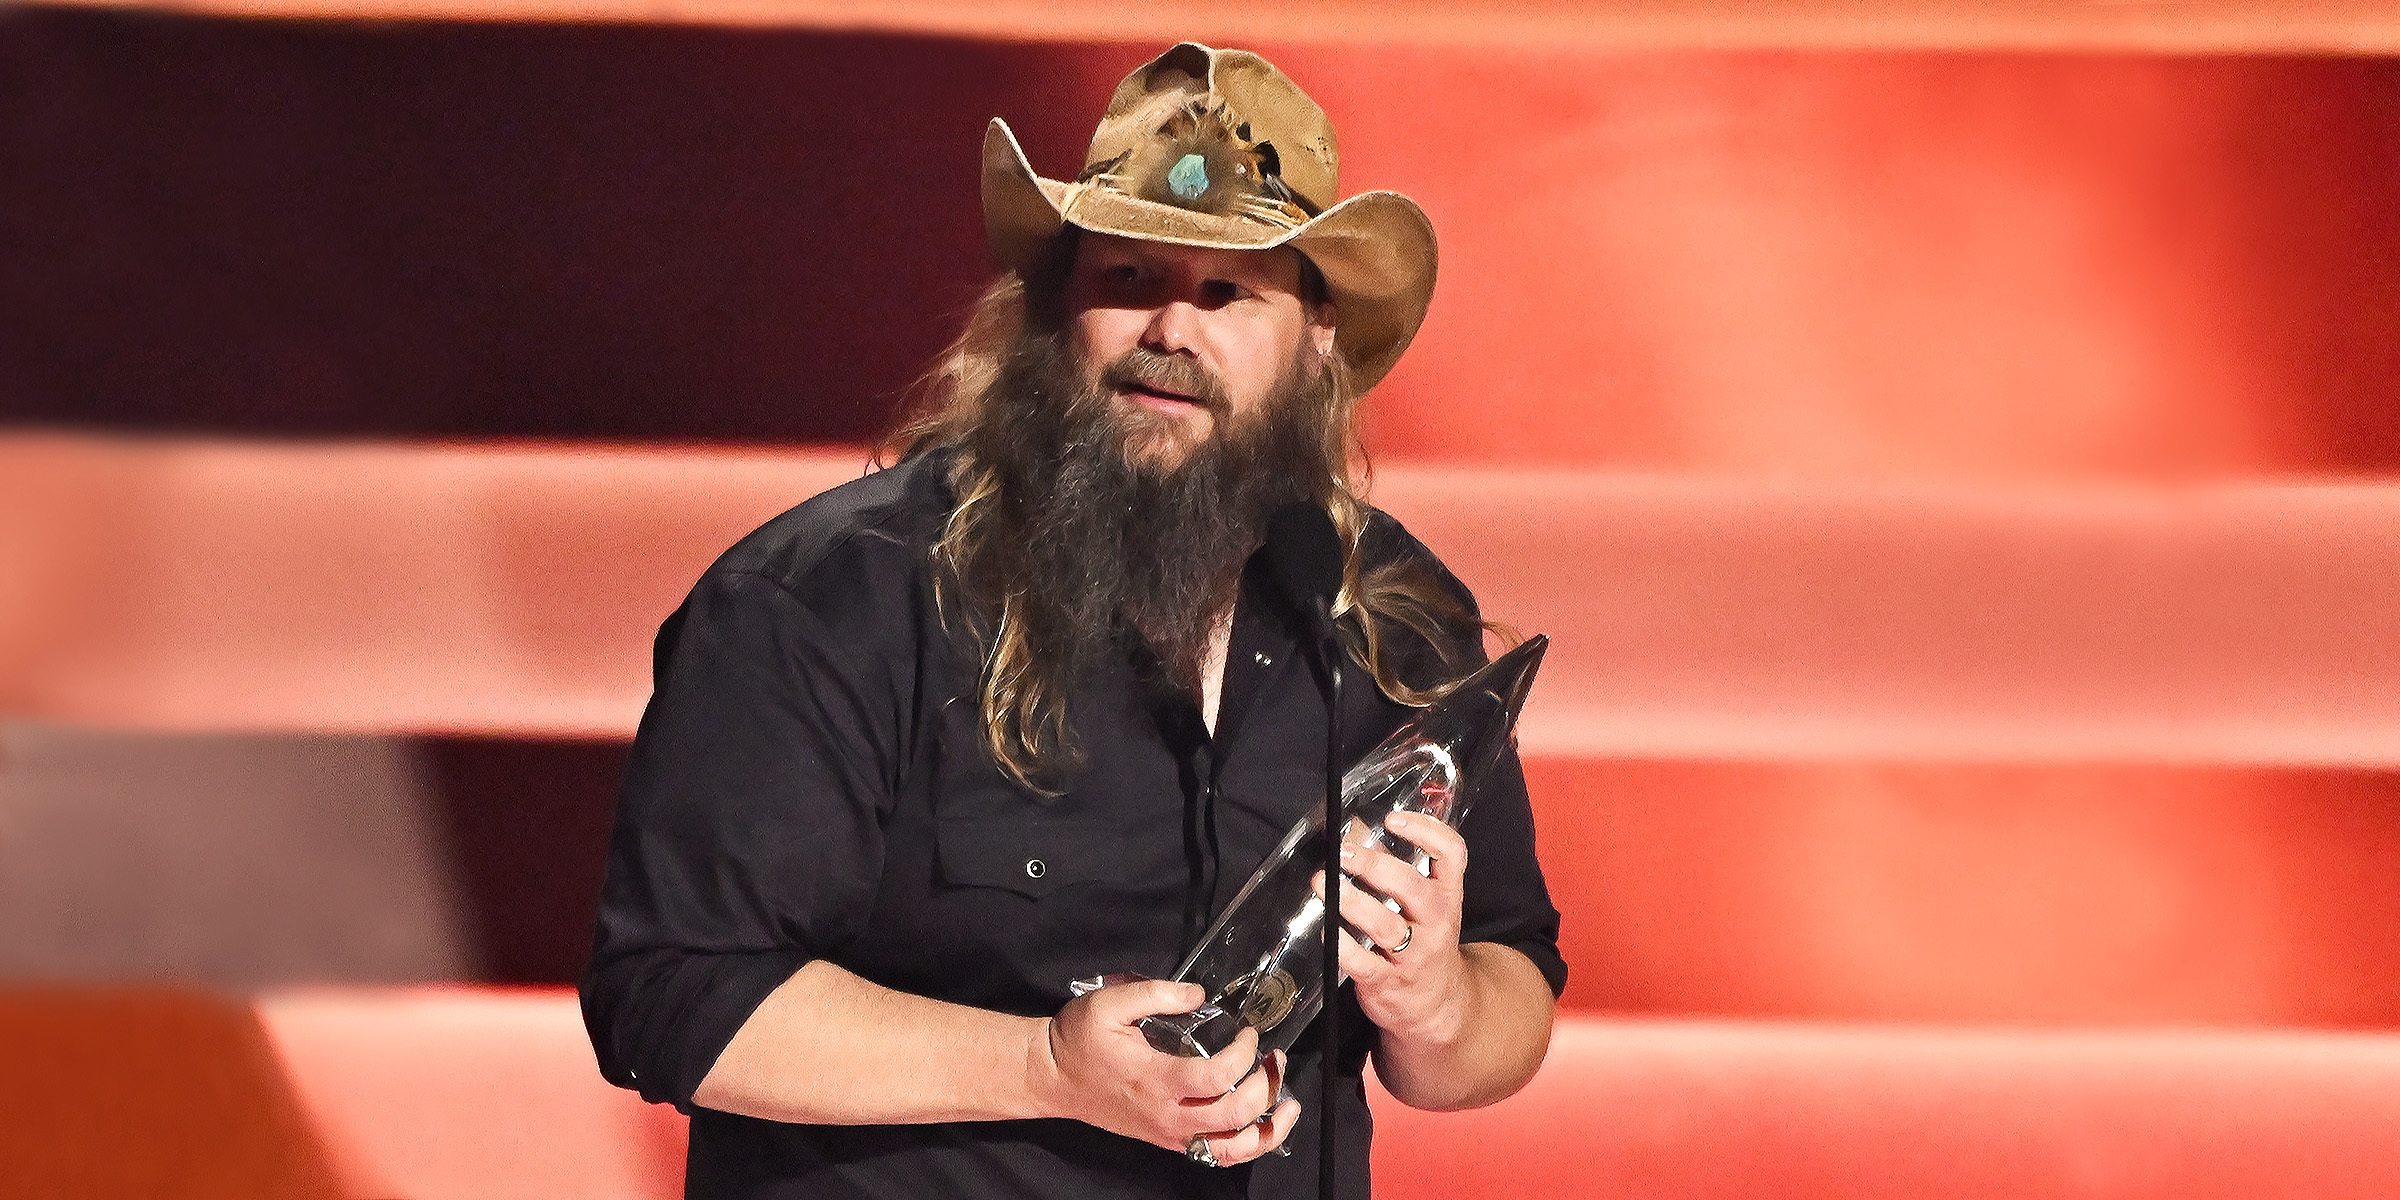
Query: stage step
(1708, 1111)
(514, 589)
(452, 1094)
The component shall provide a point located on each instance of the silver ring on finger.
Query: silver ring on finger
(1405, 939)
(1201, 1152)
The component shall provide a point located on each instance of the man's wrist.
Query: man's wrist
(1503, 1029)
(1041, 1088)
(1444, 1025)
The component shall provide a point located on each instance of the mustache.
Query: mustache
(1141, 367)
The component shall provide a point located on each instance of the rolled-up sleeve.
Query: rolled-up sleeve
(1507, 901)
(748, 831)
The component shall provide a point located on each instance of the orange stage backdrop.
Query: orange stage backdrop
(2029, 274)
(1960, 483)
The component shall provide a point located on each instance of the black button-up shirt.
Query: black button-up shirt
(809, 781)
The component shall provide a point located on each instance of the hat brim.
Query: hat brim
(1376, 250)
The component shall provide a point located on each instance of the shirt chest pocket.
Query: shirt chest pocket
(1030, 856)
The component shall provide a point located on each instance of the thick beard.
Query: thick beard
(1110, 540)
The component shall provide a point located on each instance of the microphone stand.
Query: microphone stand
(1304, 555)
(1329, 649)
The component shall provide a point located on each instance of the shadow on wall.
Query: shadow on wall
(528, 825)
(421, 229)
(247, 861)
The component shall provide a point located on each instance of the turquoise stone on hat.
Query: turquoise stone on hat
(1188, 177)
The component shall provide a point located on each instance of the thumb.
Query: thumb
(1125, 1003)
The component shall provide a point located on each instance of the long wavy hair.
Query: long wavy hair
(979, 578)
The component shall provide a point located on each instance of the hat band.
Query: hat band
(1266, 210)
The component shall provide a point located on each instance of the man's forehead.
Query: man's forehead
(1280, 265)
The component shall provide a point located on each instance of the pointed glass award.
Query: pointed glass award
(1259, 960)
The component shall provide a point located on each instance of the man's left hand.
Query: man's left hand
(1414, 982)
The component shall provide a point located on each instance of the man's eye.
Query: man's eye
(1122, 275)
(1221, 291)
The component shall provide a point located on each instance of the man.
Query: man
(1021, 710)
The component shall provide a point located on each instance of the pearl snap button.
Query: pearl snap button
(1263, 660)
(1034, 868)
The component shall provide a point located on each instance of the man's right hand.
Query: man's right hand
(1095, 1066)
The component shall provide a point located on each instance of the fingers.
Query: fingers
(1234, 1108)
(1256, 1138)
(1428, 896)
(1444, 845)
(1365, 912)
(1106, 1073)
(1126, 1003)
(1265, 1127)
(1203, 1080)
(1396, 873)
(1356, 834)
(1276, 1061)
(1360, 963)
(1380, 870)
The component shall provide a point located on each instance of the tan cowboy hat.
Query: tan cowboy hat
(1217, 148)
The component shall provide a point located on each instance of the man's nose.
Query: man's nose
(1173, 328)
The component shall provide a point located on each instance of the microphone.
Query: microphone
(1304, 557)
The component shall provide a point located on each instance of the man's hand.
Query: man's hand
(1413, 984)
(1093, 1065)
(1462, 1026)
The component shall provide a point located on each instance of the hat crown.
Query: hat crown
(1217, 149)
(1217, 131)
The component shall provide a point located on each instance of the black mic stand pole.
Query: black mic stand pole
(1304, 554)
(1329, 1060)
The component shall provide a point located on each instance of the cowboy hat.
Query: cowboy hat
(1217, 148)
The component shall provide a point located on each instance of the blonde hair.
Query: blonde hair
(1022, 698)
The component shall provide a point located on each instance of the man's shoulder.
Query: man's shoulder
(1386, 542)
(887, 517)
(845, 573)
(1386, 538)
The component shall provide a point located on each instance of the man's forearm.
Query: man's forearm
(1500, 1038)
(829, 1048)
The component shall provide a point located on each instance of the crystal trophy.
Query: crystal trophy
(1259, 960)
